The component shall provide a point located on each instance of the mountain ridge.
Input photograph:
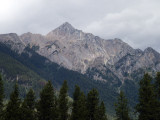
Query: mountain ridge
(84, 59)
(79, 51)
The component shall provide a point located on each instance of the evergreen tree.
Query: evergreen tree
(122, 110)
(76, 96)
(13, 111)
(102, 112)
(28, 106)
(82, 108)
(93, 104)
(47, 104)
(1, 97)
(79, 111)
(63, 102)
(157, 93)
(157, 86)
(147, 105)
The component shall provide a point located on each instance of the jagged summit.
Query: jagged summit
(151, 52)
(66, 25)
(10, 36)
(66, 29)
(149, 49)
(77, 50)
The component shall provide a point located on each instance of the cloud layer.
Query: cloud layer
(136, 22)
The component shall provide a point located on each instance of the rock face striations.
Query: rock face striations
(75, 49)
(12, 40)
(81, 51)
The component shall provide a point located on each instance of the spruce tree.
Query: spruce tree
(122, 110)
(13, 111)
(157, 86)
(47, 103)
(28, 106)
(93, 104)
(63, 102)
(1, 97)
(147, 105)
(82, 108)
(79, 111)
(102, 112)
(157, 93)
(76, 95)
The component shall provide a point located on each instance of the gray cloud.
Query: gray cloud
(136, 22)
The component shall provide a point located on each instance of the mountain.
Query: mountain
(84, 59)
(13, 70)
(75, 49)
(79, 51)
(33, 70)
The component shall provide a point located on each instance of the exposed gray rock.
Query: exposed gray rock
(12, 40)
(81, 51)
(77, 50)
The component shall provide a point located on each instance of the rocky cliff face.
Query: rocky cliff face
(81, 51)
(12, 40)
(75, 49)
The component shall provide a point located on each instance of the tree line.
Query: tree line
(53, 106)
(148, 106)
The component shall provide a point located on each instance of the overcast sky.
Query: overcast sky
(136, 22)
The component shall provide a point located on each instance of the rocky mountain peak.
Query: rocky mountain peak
(12, 37)
(149, 49)
(64, 30)
(67, 26)
(150, 52)
(118, 40)
(12, 40)
(79, 51)
(33, 39)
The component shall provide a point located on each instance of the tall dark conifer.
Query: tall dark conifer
(147, 105)
(76, 95)
(13, 111)
(79, 111)
(1, 97)
(122, 110)
(63, 102)
(157, 86)
(28, 106)
(47, 103)
(82, 107)
(102, 112)
(157, 93)
(93, 104)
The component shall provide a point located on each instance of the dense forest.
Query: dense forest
(35, 70)
(51, 104)
(57, 105)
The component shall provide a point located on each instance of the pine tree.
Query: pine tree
(102, 112)
(1, 97)
(28, 106)
(147, 100)
(13, 107)
(63, 102)
(157, 94)
(76, 96)
(47, 104)
(122, 110)
(82, 108)
(93, 104)
(79, 111)
(157, 86)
